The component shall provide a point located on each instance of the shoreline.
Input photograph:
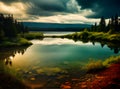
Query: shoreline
(16, 42)
(90, 36)
(84, 36)
(97, 80)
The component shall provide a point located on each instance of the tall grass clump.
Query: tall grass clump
(10, 79)
(93, 65)
(111, 60)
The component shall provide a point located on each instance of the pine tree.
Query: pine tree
(102, 24)
(116, 23)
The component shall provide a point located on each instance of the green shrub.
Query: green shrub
(23, 41)
(84, 35)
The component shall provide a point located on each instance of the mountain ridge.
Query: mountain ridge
(36, 26)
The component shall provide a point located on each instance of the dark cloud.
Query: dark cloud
(51, 7)
(42, 7)
(45, 7)
(48, 7)
(105, 8)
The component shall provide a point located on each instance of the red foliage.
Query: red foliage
(106, 79)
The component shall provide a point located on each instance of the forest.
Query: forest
(14, 33)
(10, 27)
(112, 26)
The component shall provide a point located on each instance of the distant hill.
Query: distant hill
(34, 26)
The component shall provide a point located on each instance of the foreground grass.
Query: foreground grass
(10, 79)
(93, 65)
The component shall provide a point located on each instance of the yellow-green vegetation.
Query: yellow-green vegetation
(111, 60)
(32, 35)
(93, 65)
(10, 79)
(15, 42)
(95, 36)
(21, 39)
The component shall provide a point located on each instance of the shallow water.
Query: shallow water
(52, 61)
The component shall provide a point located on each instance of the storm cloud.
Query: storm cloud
(52, 7)
(33, 9)
(106, 8)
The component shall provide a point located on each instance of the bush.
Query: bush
(84, 35)
(23, 41)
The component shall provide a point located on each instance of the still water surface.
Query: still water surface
(55, 59)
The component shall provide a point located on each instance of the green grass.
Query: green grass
(15, 42)
(32, 35)
(21, 39)
(94, 36)
(93, 65)
(111, 60)
(10, 79)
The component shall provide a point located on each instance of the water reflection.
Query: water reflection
(8, 61)
(7, 54)
(10, 79)
(112, 46)
(52, 61)
(60, 41)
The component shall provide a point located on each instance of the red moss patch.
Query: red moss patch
(106, 79)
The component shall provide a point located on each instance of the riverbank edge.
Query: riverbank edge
(15, 42)
(98, 76)
(21, 40)
(86, 36)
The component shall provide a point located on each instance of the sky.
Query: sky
(60, 11)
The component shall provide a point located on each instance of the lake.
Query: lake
(52, 61)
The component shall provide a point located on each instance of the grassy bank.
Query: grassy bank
(94, 36)
(11, 42)
(21, 39)
(32, 35)
(10, 79)
(93, 66)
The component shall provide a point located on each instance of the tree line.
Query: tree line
(10, 27)
(113, 25)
